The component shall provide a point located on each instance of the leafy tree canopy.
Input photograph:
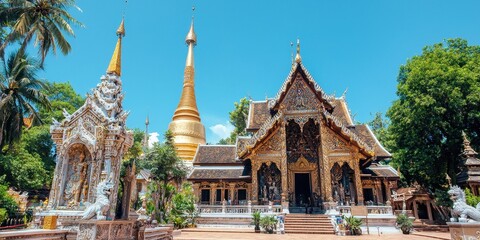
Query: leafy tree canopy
(238, 118)
(61, 96)
(438, 98)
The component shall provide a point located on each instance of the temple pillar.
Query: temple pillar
(213, 193)
(249, 191)
(387, 189)
(232, 192)
(358, 183)
(379, 193)
(415, 209)
(429, 210)
(197, 192)
(254, 182)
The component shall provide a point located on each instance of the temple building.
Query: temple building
(186, 126)
(302, 150)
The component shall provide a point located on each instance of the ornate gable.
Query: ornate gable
(300, 98)
(298, 71)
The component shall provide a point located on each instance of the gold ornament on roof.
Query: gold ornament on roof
(298, 58)
(115, 66)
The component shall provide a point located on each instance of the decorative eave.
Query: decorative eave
(298, 67)
(336, 125)
(258, 136)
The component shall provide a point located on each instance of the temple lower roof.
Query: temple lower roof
(216, 154)
(218, 173)
(258, 113)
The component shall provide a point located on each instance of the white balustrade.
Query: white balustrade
(238, 209)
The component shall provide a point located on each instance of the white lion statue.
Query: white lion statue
(461, 209)
(102, 202)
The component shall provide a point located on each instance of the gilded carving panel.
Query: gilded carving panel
(300, 97)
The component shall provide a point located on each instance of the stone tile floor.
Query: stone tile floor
(262, 236)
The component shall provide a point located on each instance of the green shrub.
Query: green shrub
(3, 215)
(256, 220)
(471, 199)
(404, 223)
(269, 223)
(353, 224)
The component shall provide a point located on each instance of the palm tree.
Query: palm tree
(20, 95)
(42, 20)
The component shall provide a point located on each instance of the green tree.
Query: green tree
(61, 96)
(166, 169)
(20, 95)
(183, 212)
(24, 170)
(7, 203)
(379, 126)
(238, 118)
(45, 21)
(438, 98)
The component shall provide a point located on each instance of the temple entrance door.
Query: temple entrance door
(302, 189)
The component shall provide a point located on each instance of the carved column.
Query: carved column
(249, 191)
(284, 167)
(379, 193)
(213, 191)
(358, 181)
(232, 192)
(387, 189)
(429, 210)
(415, 209)
(196, 192)
(254, 181)
(54, 199)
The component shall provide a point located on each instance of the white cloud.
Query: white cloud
(221, 131)
(152, 138)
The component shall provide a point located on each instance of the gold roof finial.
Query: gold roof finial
(115, 65)
(191, 36)
(298, 58)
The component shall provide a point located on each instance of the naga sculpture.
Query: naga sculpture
(461, 209)
(102, 203)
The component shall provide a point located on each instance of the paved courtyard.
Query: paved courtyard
(262, 236)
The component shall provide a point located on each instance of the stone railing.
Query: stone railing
(238, 209)
(382, 210)
(34, 234)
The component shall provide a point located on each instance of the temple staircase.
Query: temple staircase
(308, 223)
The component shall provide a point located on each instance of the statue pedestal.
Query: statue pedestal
(106, 230)
(470, 230)
(331, 208)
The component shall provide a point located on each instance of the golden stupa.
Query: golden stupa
(186, 126)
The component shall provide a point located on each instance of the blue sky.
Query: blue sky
(244, 50)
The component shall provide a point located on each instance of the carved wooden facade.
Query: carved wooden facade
(306, 137)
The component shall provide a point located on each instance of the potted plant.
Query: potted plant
(404, 223)
(269, 223)
(353, 225)
(256, 221)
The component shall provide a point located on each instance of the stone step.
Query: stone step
(309, 231)
(308, 224)
(309, 228)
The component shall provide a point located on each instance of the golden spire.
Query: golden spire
(187, 107)
(298, 58)
(186, 126)
(115, 65)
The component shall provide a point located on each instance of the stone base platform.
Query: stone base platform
(464, 231)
